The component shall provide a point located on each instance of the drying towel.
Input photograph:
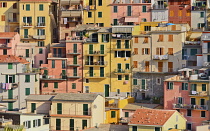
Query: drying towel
(10, 86)
(64, 20)
(7, 86)
(194, 92)
(4, 86)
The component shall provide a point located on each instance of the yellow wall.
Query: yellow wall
(112, 120)
(124, 102)
(143, 128)
(106, 13)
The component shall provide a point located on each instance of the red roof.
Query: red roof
(12, 59)
(151, 116)
(7, 34)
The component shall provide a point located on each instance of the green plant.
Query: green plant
(86, 35)
(165, 4)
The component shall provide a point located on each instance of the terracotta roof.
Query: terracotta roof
(7, 34)
(135, 106)
(12, 59)
(151, 116)
(36, 0)
(75, 97)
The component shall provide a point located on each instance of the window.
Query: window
(203, 87)
(105, 37)
(14, 6)
(55, 85)
(189, 126)
(171, 14)
(58, 124)
(41, 32)
(157, 129)
(2, 17)
(126, 77)
(40, 21)
(143, 84)
(193, 87)
(45, 84)
(203, 113)
(145, 40)
(4, 51)
(180, 13)
(176, 126)
(145, 51)
(10, 79)
(113, 114)
(188, 13)
(99, 14)
(144, 8)
(126, 114)
(170, 38)
(40, 50)
(160, 38)
(193, 52)
(122, 54)
(202, 14)
(115, 9)
(135, 51)
(115, 21)
(59, 108)
(119, 77)
(184, 86)
(100, 24)
(10, 66)
(136, 40)
(73, 85)
(27, 19)
(41, 7)
(40, 62)
(27, 78)
(189, 113)
(134, 128)
(118, 91)
(129, 12)
(99, 2)
(134, 81)
(144, 20)
(159, 51)
(170, 85)
(27, 7)
(27, 124)
(135, 64)
(37, 123)
(53, 63)
(3, 4)
(86, 89)
(27, 91)
(158, 81)
(89, 14)
(147, 28)
(63, 64)
(90, 2)
(86, 80)
(170, 51)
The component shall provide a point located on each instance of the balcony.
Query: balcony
(199, 94)
(72, 2)
(121, 36)
(74, 75)
(53, 77)
(159, 7)
(197, 8)
(41, 25)
(95, 52)
(187, 43)
(27, 25)
(125, 119)
(192, 107)
(74, 52)
(95, 76)
(73, 63)
(121, 71)
(71, 13)
(160, 57)
(112, 105)
(39, 37)
(121, 48)
(14, 20)
(98, 63)
(8, 99)
(74, 39)
(26, 37)
(91, 40)
(66, 112)
(5, 45)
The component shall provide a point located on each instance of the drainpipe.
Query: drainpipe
(110, 64)
(151, 63)
(18, 88)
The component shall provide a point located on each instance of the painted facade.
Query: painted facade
(159, 10)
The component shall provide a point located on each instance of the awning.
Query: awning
(185, 69)
(195, 35)
(121, 29)
(203, 69)
(131, 19)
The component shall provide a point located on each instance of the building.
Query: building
(18, 80)
(156, 120)
(9, 21)
(76, 111)
(159, 10)
(189, 95)
(160, 53)
(179, 11)
(37, 22)
(31, 122)
(126, 12)
(94, 12)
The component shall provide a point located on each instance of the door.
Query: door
(59, 52)
(33, 107)
(101, 71)
(90, 49)
(25, 33)
(91, 71)
(85, 109)
(160, 66)
(71, 125)
(27, 52)
(119, 67)
(106, 90)
(10, 94)
(143, 96)
(170, 66)
(146, 66)
(58, 124)
(75, 48)
(84, 124)
(101, 49)
(63, 74)
(101, 59)
(193, 101)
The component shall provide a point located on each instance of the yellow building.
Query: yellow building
(9, 16)
(156, 120)
(37, 22)
(97, 12)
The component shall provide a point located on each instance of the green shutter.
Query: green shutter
(101, 49)
(101, 71)
(84, 124)
(56, 85)
(91, 71)
(127, 44)
(63, 64)
(33, 107)
(115, 21)
(99, 14)
(90, 49)
(13, 78)
(75, 71)
(102, 37)
(119, 67)
(10, 65)
(27, 52)
(75, 60)
(25, 33)
(29, 124)
(38, 20)
(144, 8)
(127, 66)
(74, 86)
(45, 84)
(39, 122)
(24, 19)
(126, 114)
(113, 115)
(126, 77)
(59, 108)
(99, 2)
(4, 51)
(134, 81)
(193, 51)
(27, 78)
(58, 124)
(75, 48)
(45, 72)
(34, 123)
(203, 87)
(106, 90)
(143, 83)
(6, 78)
(10, 94)
(27, 7)
(85, 109)
(134, 128)
(30, 20)
(41, 8)
(27, 91)
(115, 9)
(118, 44)
(129, 11)
(63, 74)
(53, 63)
(10, 106)
(71, 125)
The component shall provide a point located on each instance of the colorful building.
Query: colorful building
(156, 120)
(159, 10)
(188, 93)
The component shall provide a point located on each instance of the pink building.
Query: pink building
(188, 95)
(130, 12)
(63, 73)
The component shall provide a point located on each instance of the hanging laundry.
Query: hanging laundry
(10, 86)
(65, 20)
(4, 86)
(7, 86)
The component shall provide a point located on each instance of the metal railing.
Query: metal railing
(125, 119)
(160, 57)
(99, 63)
(74, 63)
(195, 93)
(155, 6)
(190, 106)
(39, 36)
(121, 46)
(13, 20)
(75, 38)
(58, 55)
(7, 98)
(192, 43)
(53, 76)
(41, 24)
(70, 112)
(27, 24)
(76, 51)
(3, 45)
(89, 40)
(122, 71)
(74, 75)
(120, 36)
(26, 37)
(95, 75)
(95, 52)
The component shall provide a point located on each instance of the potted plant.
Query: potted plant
(165, 4)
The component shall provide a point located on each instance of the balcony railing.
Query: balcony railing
(195, 93)
(26, 37)
(71, 112)
(120, 36)
(72, 2)
(125, 119)
(113, 105)
(193, 107)
(95, 52)
(13, 20)
(192, 43)
(95, 75)
(8, 98)
(40, 25)
(75, 39)
(98, 63)
(91, 40)
(70, 13)
(74, 75)
(39, 36)
(58, 55)
(73, 63)
(196, 8)
(53, 77)
(27, 25)
(160, 57)
(74, 52)
(4, 46)
(156, 7)
(121, 47)
(123, 71)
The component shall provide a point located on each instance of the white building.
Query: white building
(159, 10)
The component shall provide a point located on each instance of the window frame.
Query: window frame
(100, 14)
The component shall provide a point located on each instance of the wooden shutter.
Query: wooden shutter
(162, 51)
(160, 66)
(157, 51)
(148, 51)
(135, 64)
(85, 109)
(136, 40)
(188, 13)
(173, 27)
(0, 4)
(160, 38)
(170, 38)
(135, 51)
(142, 51)
(146, 66)
(170, 66)
(5, 4)
(171, 13)
(3, 18)
(170, 51)
(145, 39)
(180, 13)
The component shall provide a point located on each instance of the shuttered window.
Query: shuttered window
(41, 7)
(146, 39)
(53, 63)
(180, 13)
(203, 87)
(170, 38)
(27, 7)
(184, 86)
(27, 78)
(73, 85)
(173, 27)
(56, 85)
(160, 38)
(113, 114)
(33, 107)
(136, 40)
(27, 91)
(45, 84)
(170, 85)
(115, 9)
(144, 8)
(170, 51)
(135, 51)
(59, 108)
(135, 82)
(188, 13)
(143, 84)
(126, 114)
(2, 17)
(159, 51)
(171, 13)
(126, 77)
(135, 64)
(58, 124)
(10, 66)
